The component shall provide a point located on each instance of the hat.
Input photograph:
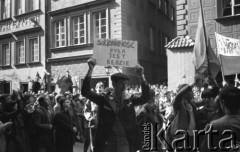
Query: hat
(119, 76)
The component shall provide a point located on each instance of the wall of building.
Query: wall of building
(23, 27)
(74, 58)
(187, 16)
(181, 69)
(138, 16)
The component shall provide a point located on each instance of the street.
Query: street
(78, 147)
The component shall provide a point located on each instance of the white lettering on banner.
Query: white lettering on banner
(227, 46)
(119, 53)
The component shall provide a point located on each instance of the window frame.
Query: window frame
(54, 32)
(17, 52)
(160, 4)
(3, 57)
(25, 7)
(152, 39)
(85, 29)
(173, 14)
(166, 7)
(232, 9)
(92, 22)
(29, 6)
(30, 50)
(8, 12)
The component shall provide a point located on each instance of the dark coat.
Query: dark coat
(107, 115)
(64, 135)
(43, 132)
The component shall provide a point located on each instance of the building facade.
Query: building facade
(22, 42)
(74, 24)
(221, 16)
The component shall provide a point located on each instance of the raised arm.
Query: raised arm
(145, 88)
(86, 89)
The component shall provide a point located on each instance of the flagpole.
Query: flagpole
(205, 38)
(222, 68)
(236, 78)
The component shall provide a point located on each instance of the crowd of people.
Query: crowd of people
(112, 119)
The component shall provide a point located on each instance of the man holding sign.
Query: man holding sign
(117, 129)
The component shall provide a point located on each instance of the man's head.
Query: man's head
(99, 87)
(229, 98)
(119, 82)
(65, 103)
(208, 98)
(43, 101)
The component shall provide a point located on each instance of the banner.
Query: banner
(230, 64)
(119, 53)
(227, 46)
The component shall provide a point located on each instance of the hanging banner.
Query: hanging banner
(227, 46)
(118, 53)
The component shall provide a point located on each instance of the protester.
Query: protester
(146, 117)
(36, 86)
(42, 119)
(90, 113)
(3, 127)
(184, 110)
(226, 126)
(65, 127)
(117, 127)
(80, 120)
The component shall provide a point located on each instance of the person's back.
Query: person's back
(224, 132)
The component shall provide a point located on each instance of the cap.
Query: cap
(119, 76)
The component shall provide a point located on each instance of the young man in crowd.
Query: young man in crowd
(117, 129)
(90, 114)
(223, 133)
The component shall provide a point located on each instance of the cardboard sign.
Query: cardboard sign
(118, 53)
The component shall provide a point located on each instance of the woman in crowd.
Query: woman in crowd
(65, 127)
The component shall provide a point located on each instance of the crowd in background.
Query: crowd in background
(29, 122)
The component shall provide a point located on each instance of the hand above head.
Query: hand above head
(139, 70)
(91, 63)
(74, 129)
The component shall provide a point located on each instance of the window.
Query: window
(79, 30)
(164, 44)
(159, 4)
(5, 9)
(33, 5)
(230, 7)
(60, 33)
(6, 54)
(24, 6)
(159, 41)
(34, 49)
(20, 50)
(20, 7)
(100, 24)
(152, 39)
(166, 9)
(172, 14)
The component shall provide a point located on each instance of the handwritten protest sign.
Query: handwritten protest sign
(227, 46)
(119, 53)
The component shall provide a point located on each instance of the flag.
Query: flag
(203, 55)
(228, 49)
(38, 76)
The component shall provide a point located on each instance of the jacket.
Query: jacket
(107, 115)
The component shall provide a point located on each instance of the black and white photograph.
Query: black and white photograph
(119, 75)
